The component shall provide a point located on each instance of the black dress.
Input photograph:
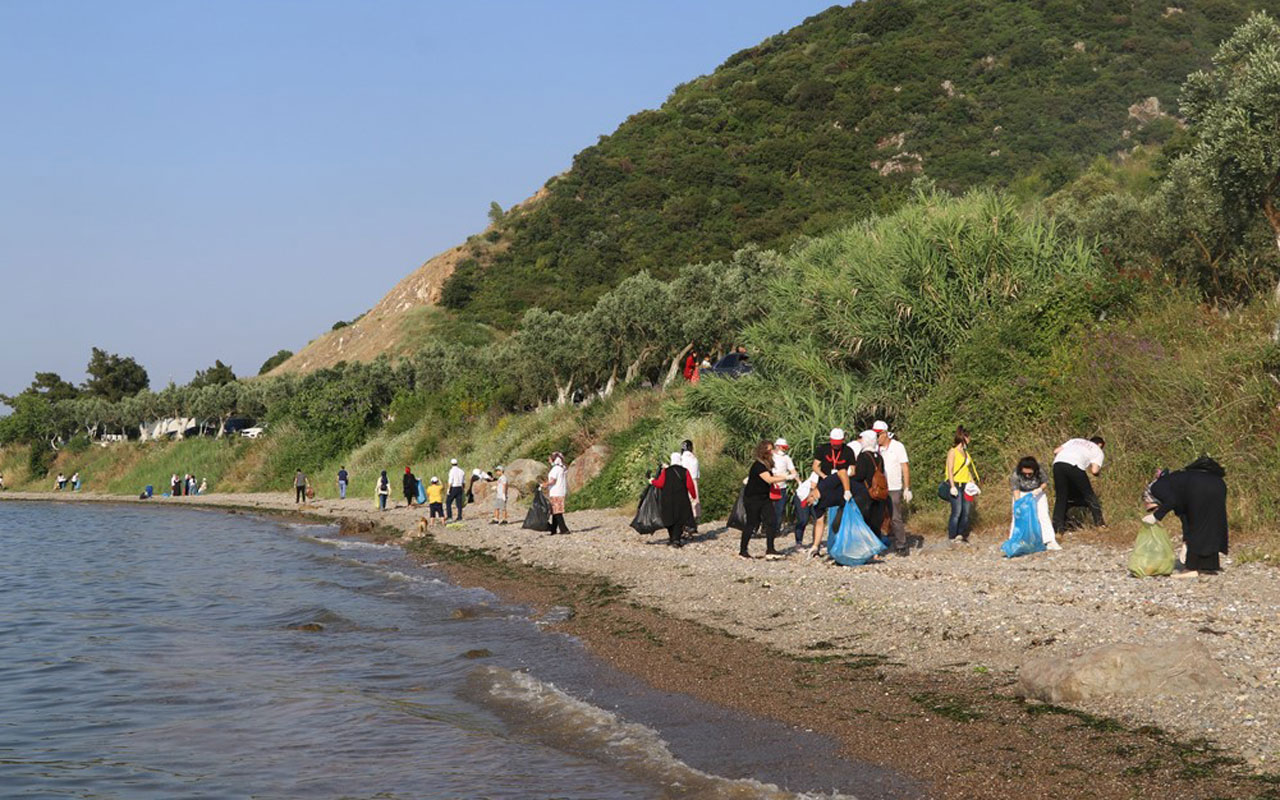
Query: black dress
(1198, 495)
(410, 487)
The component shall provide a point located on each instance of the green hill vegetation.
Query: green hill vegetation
(1134, 300)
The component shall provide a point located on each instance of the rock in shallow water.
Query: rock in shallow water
(1179, 666)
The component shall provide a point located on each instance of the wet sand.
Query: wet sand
(908, 664)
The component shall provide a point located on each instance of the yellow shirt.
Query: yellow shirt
(435, 493)
(963, 466)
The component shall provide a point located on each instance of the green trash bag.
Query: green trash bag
(1152, 553)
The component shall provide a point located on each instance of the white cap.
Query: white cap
(453, 461)
(780, 442)
(837, 434)
(475, 471)
(434, 479)
(880, 425)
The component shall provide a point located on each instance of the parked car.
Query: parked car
(733, 365)
(253, 433)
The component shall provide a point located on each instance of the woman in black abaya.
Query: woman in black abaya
(1198, 495)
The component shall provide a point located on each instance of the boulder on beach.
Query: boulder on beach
(587, 466)
(1180, 666)
(524, 473)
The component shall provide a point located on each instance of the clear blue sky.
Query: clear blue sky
(183, 181)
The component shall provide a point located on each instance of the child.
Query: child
(499, 497)
(435, 499)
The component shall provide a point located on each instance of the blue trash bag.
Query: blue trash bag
(1026, 537)
(851, 543)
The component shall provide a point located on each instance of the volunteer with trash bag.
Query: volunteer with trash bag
(678, 493)
(897, 474)
(1197, 493)
(1028, 478)
(409, 485)
(823, 494)
(784, 466)
(755, 496)
(869, 485)
(690, 462)
(835, 458)
(960, 489)
(557, 487)
(1073, 462)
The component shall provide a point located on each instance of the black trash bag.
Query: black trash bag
(738, 516)
(539, 516)
(649, 513)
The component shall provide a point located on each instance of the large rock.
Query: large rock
(587, 466)
(524, 473)
(1180, 666)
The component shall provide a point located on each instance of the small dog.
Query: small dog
(422, 525)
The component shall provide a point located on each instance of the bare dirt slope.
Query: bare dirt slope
(388, 326)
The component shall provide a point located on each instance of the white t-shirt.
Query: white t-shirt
(456, 476)
(690, 462)
(558, 479)
(783, 465)
(501, 489)
(1080, 453)
(894, 455)
(806, 485)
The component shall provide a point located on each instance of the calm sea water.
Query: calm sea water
(162, 653)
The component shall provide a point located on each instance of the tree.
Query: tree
(1233, 111)
(48, 385)
(114, 377)
(279, 358)
(216, 375)
(495, 213)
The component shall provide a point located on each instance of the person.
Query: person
(557, 486)
(784, 466)
(1, 481)
(897, 475)
(409, 487)
(1073, 462)
(690, 462)
(435, 501)
(1197, 493)
(690, 370)
(204, 486)
(476, 475)
(173, 486)
(1028, 478)
(299, 486)
(834, 459)
(822, 494)
(866, 485)
(760, 479)
(342, 483)
(499, 496)
(75, 481)
(59, 482)
(383, 490)
(456, 479)
(678, 493)
(962, 486)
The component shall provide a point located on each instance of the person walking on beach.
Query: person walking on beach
(897, 475)
(1073, 462)
(678, 492)
(499, 496)
(456, 479)
(1028, 478)
(690, 462)
(299, 486)
(342, 483)
(1197, 493)
(760, 479)
(383, 490)
(435, 501)
(784, 466)
(409, 487)
(557, 486)
(834, 459)
(961, 487)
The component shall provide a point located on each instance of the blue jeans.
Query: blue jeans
(780, 510)
(802, 518)
(342, 490)
(958, 524)
(382, 502)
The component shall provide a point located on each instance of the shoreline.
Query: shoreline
(807, 645)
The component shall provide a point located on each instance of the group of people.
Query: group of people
(61, 482)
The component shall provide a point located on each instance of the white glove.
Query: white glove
(955, 492)
(1150, 519)
(906, 495)
(848, 496)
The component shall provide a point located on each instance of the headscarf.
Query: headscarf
(868, 440)
(675, 460)
(557, 459)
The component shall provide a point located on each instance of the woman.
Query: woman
(1028, 478)
(557, 487)
(409, 486)
(821, 494)
(864, 484)
(678, 494)
(690, 370)
(690, 462)
(962, 486)
(383, 491)
(1198, 495)
(760, 480)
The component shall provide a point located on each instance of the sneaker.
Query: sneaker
(1053, 546)
(505, 522)
(773, 556)
(902, 552)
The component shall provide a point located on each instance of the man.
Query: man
(456, 480)
(342, 483)
(835, 458)
(897, 473)
(1073, 462)
(409, 486)
(299, 486)
(782, 466)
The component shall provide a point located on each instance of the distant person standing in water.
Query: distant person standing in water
(342, 483)
(299, 487)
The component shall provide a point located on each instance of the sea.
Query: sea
(152, 652)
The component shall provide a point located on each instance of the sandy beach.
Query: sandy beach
(909, 663)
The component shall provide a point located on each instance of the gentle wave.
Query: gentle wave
(355, 544)
(546, 713)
